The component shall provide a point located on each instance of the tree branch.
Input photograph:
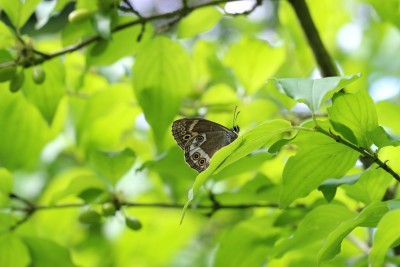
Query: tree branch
(321, 55)
(178, 14)
(360, 150)
(30, 208)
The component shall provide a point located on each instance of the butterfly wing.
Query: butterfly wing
(200, 139)
(185, 129)
(200, 149)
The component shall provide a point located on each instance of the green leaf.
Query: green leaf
(314, 227)
(328, 188)
(23, 132)
(6, 185)
(161, 80)
(7, 220)
(19, 11)
(13, 251)
(254, 246)
(386, 112)
(47, 253)
(207, 66)
(7, 38)
(371, 186)
(250, 163)
(112, 165)
(319, 158)
(258, 189)
(92, 118)
(179, 178)
(254, 66)
(387, 233)
(387, 10)
(354, 116)
(313, 92)
(123, 43)
(46, 96)
(200, 20)
(74, 33)
(6, 181)
(262, 135)
(369, 217)
(82, 181)
(381, 138)
(219, 94)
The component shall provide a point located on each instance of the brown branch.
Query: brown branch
(31, 208)
(321, 55)
(360, 150)
(179, 14)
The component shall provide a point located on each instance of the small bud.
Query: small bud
(17, 81)
(133, 223)
(108, 209)
(89, 217)
(79, 15)
(38, 74)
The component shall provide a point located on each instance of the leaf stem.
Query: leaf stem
(362, 151)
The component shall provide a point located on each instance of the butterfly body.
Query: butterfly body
(200, 139)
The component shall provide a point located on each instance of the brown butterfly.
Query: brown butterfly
(200, 139)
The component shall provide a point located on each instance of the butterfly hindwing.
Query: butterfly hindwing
(200, 149)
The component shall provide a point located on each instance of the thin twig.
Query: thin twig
(362, 151)
(31, 208)
(132, 9)
(179, 13)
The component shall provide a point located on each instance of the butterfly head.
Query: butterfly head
(235, 128)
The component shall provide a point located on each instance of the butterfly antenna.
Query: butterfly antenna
(235, 116)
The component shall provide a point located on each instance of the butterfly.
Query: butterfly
(200, 139)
